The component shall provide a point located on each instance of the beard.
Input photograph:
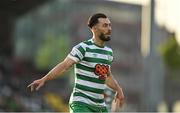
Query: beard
(103, 37)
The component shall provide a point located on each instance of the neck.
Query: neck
(98, 41)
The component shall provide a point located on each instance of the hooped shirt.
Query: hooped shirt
(91, 68)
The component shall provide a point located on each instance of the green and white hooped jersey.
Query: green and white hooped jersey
(92, 61)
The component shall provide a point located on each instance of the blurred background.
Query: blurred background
(35, 35)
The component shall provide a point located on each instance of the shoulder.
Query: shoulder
(88, 42)
(84, 44)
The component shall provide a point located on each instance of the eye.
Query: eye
(105, 25)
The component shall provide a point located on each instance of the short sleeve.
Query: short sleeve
(77, 53)
(110, 56)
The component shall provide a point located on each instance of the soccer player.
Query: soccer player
(92, 60)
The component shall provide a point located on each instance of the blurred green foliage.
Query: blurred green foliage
(51, 51)
(170, 52)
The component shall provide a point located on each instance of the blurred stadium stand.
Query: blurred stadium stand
(10, 10)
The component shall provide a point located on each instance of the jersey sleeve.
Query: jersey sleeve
(111, 57)
(77, 53)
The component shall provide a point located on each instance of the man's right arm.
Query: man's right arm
(58, 70)
(77, 53)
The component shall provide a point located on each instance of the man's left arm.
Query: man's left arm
(113, 84)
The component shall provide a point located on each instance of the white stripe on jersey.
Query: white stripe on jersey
(85, 73)
(90, 84)
(90, 94)
(87, 101)
(97, 55)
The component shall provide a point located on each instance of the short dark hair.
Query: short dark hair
(93, 20)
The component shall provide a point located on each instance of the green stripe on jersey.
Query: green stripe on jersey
(100, 51)
(88, 42)
(90, 98)
(77, 57)
(81, 50)
(83, 67)
(91, 79)
(86, 88)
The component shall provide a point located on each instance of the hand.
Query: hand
(115, 104)
(120, 96)
(36, 84)
(118, 101)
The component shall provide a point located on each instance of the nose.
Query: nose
(110, 28)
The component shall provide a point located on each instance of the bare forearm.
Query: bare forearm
(112, 83)
(55, 72)
(59, 69)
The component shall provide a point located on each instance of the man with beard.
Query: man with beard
(92, 71)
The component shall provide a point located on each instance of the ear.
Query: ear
(94, 28)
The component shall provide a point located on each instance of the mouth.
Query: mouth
(107, 34)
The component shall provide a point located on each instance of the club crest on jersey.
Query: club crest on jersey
(101, 71)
